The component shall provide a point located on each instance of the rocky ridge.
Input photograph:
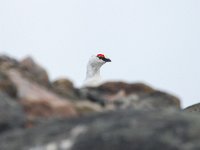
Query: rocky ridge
(39, 114)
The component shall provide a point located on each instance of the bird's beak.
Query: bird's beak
(106, 59)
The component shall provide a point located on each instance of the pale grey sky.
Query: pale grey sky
(156, 42)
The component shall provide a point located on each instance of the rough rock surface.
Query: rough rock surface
(65, 88)
(6, 85)
(12, 114)
(128, 129)
(38, 101)
(34, 71)
(193, 108)
(150, 101)
(37, 114)
(28, 83)
(115, 87)
(111, 91)
(124, 95)
(8, 62)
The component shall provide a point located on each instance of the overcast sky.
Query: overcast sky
(151, 41)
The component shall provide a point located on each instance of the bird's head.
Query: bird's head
(102, 57)
(99, 59)
(93, 69)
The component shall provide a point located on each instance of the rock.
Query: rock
(11, 114)
(27, 67)
(6, 86)
(149, 101)
(111, 91)
(115, 115)
(115, 87)
(92, 95)
(39, 101)
(124, 95)
(85, 107)
(117, 130)
(28, 82)
(115, 90)
(7, 62)
(158, 99)
(164, 130)
(65, 88)
(33, 71)
(193, 108)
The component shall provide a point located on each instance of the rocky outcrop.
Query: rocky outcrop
(115, 87)
(118, 130)
(6, 85)
(27, 67)
(38, 101)
(193, 108)
(38, 114)
(8, 63)
(112, 91)
(65, 88)
(149, 101)
(142, 130)
(33, 71)
(29, 84)
(124, 95)
(12, 114)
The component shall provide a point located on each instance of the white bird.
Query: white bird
(93, 77)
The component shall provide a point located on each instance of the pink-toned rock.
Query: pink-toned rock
(112, 91)
(124, 95)
(115, 87)
(38, 101)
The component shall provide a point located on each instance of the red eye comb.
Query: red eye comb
(101, 55)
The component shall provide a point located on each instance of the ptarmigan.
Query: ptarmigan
(93, 77)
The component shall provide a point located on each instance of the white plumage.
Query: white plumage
(93, 77)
